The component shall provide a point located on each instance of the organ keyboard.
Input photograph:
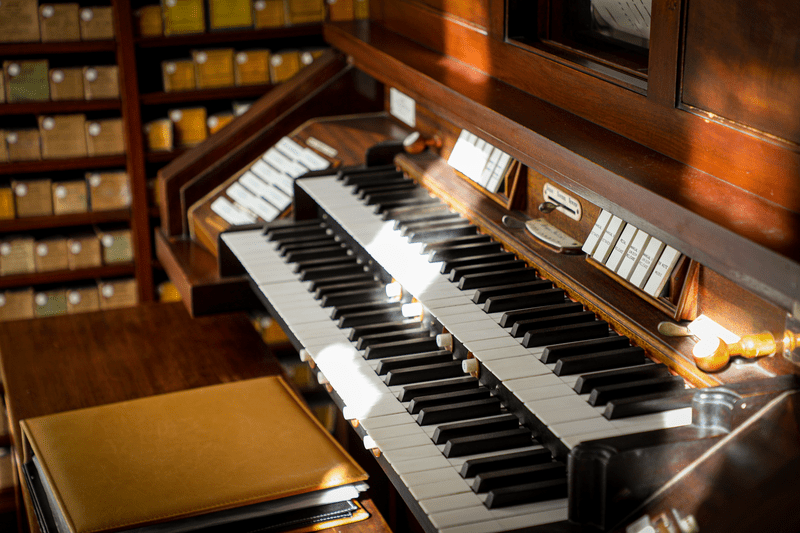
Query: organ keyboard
(325, 280)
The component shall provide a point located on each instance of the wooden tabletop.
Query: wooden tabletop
(55, 364)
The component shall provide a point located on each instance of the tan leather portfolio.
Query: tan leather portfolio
(188, 457)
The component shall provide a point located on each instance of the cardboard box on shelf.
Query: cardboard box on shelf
(116, 245)
(23, 145)
(108, 190)
(26, 81)
(32, 197)
(16, 255)
(340, 10)
(50, 254)
(66, 84)
(158, 135)
(306, 11)
(7, 210)
(19, 21)
(101, 82)
(83, 251)
(118, 293)
(213, 68)
(218, 121)
(105, 137)
(178, 75)
(16, 304)
(284, 65)
(230, 14)
(183, 16)
(82, 299)
(269, 13)
(148, 21)
(189, 125)
(50, 303)
(70, 197)
(63, 136)
(3, 147)
(251, 67)
(59, 23)
(97, 23)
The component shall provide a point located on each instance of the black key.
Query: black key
(500, 257)
(540, 491)
(394, 196)
(476, 281)
(473, 467)
(368, 175)
(311, 244)
(349, 286)
(371, 317)
(421, 402)
(396, 184)
(302, 239)
(580, 364)
(552, 354)
(334, 299)
(467, 239)
(648, 403)
(410, 392)
(289, 225)
(410, 346)
(532, 324)
(439, 414)
(510, 318)
(338, 280)
(481, 295)
(519, 475)
(324, 272)
(416, 374)
(324, 261)
(488, 442)
(507, 263)
(524, 300)
(572, 332)
(409, 213)
(465, 250)
(391, 204)
(370, 329)
(412, 227)
(380, 338)
(378, 304)
(387, 364)
(448, 232)
(446, 432)
(586, 383)
(325, 251)
(294, 232)
(444, 398)
(602, 395)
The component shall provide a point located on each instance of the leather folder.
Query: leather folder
(186, 460)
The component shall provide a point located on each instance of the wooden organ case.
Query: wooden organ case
(676, 119)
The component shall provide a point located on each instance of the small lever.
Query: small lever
(711, 355)
(549, 206)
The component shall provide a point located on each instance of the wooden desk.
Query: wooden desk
(57, 364)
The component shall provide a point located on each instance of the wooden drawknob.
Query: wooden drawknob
(711, 355)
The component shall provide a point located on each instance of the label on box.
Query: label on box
(201, 57)
(2, 300)
(41, 299)
(12, 138)
(91, 74)
(87, 14)
(41, 250)
(21, 190)
(5, 249)
(95, 180)
(94, 129)
(74, 297)
(175, 115)
(48, 123)
(57, 76)
(75, 248)
(48, 11)
(108, 291)
(170, 68)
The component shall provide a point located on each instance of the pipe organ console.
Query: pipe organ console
(544, 257)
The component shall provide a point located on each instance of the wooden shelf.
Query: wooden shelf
(63, 276)
(164, 157)
(223, 93)
(63, 106)
(75, 47)
(229, 36)
(63, 221)
(53, 165)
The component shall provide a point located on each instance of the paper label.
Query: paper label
(87, 14)
(661, 272)
(620, 248)
(48, 123)
(75, 248)
(91, 74)
(21, 190)
(13, 69)
(403, 107)
(95, 180)
(57, 76)
(230, 213)
(597, 232)
(94, 129)
(107, 291)
(41, 250)
(74, 297)
(41, 299)
(608, 240)
(647, 262)
(170, 68)
(5, 249)
(48, 11)
(632, 255)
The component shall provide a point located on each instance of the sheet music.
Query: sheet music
(628, 16)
